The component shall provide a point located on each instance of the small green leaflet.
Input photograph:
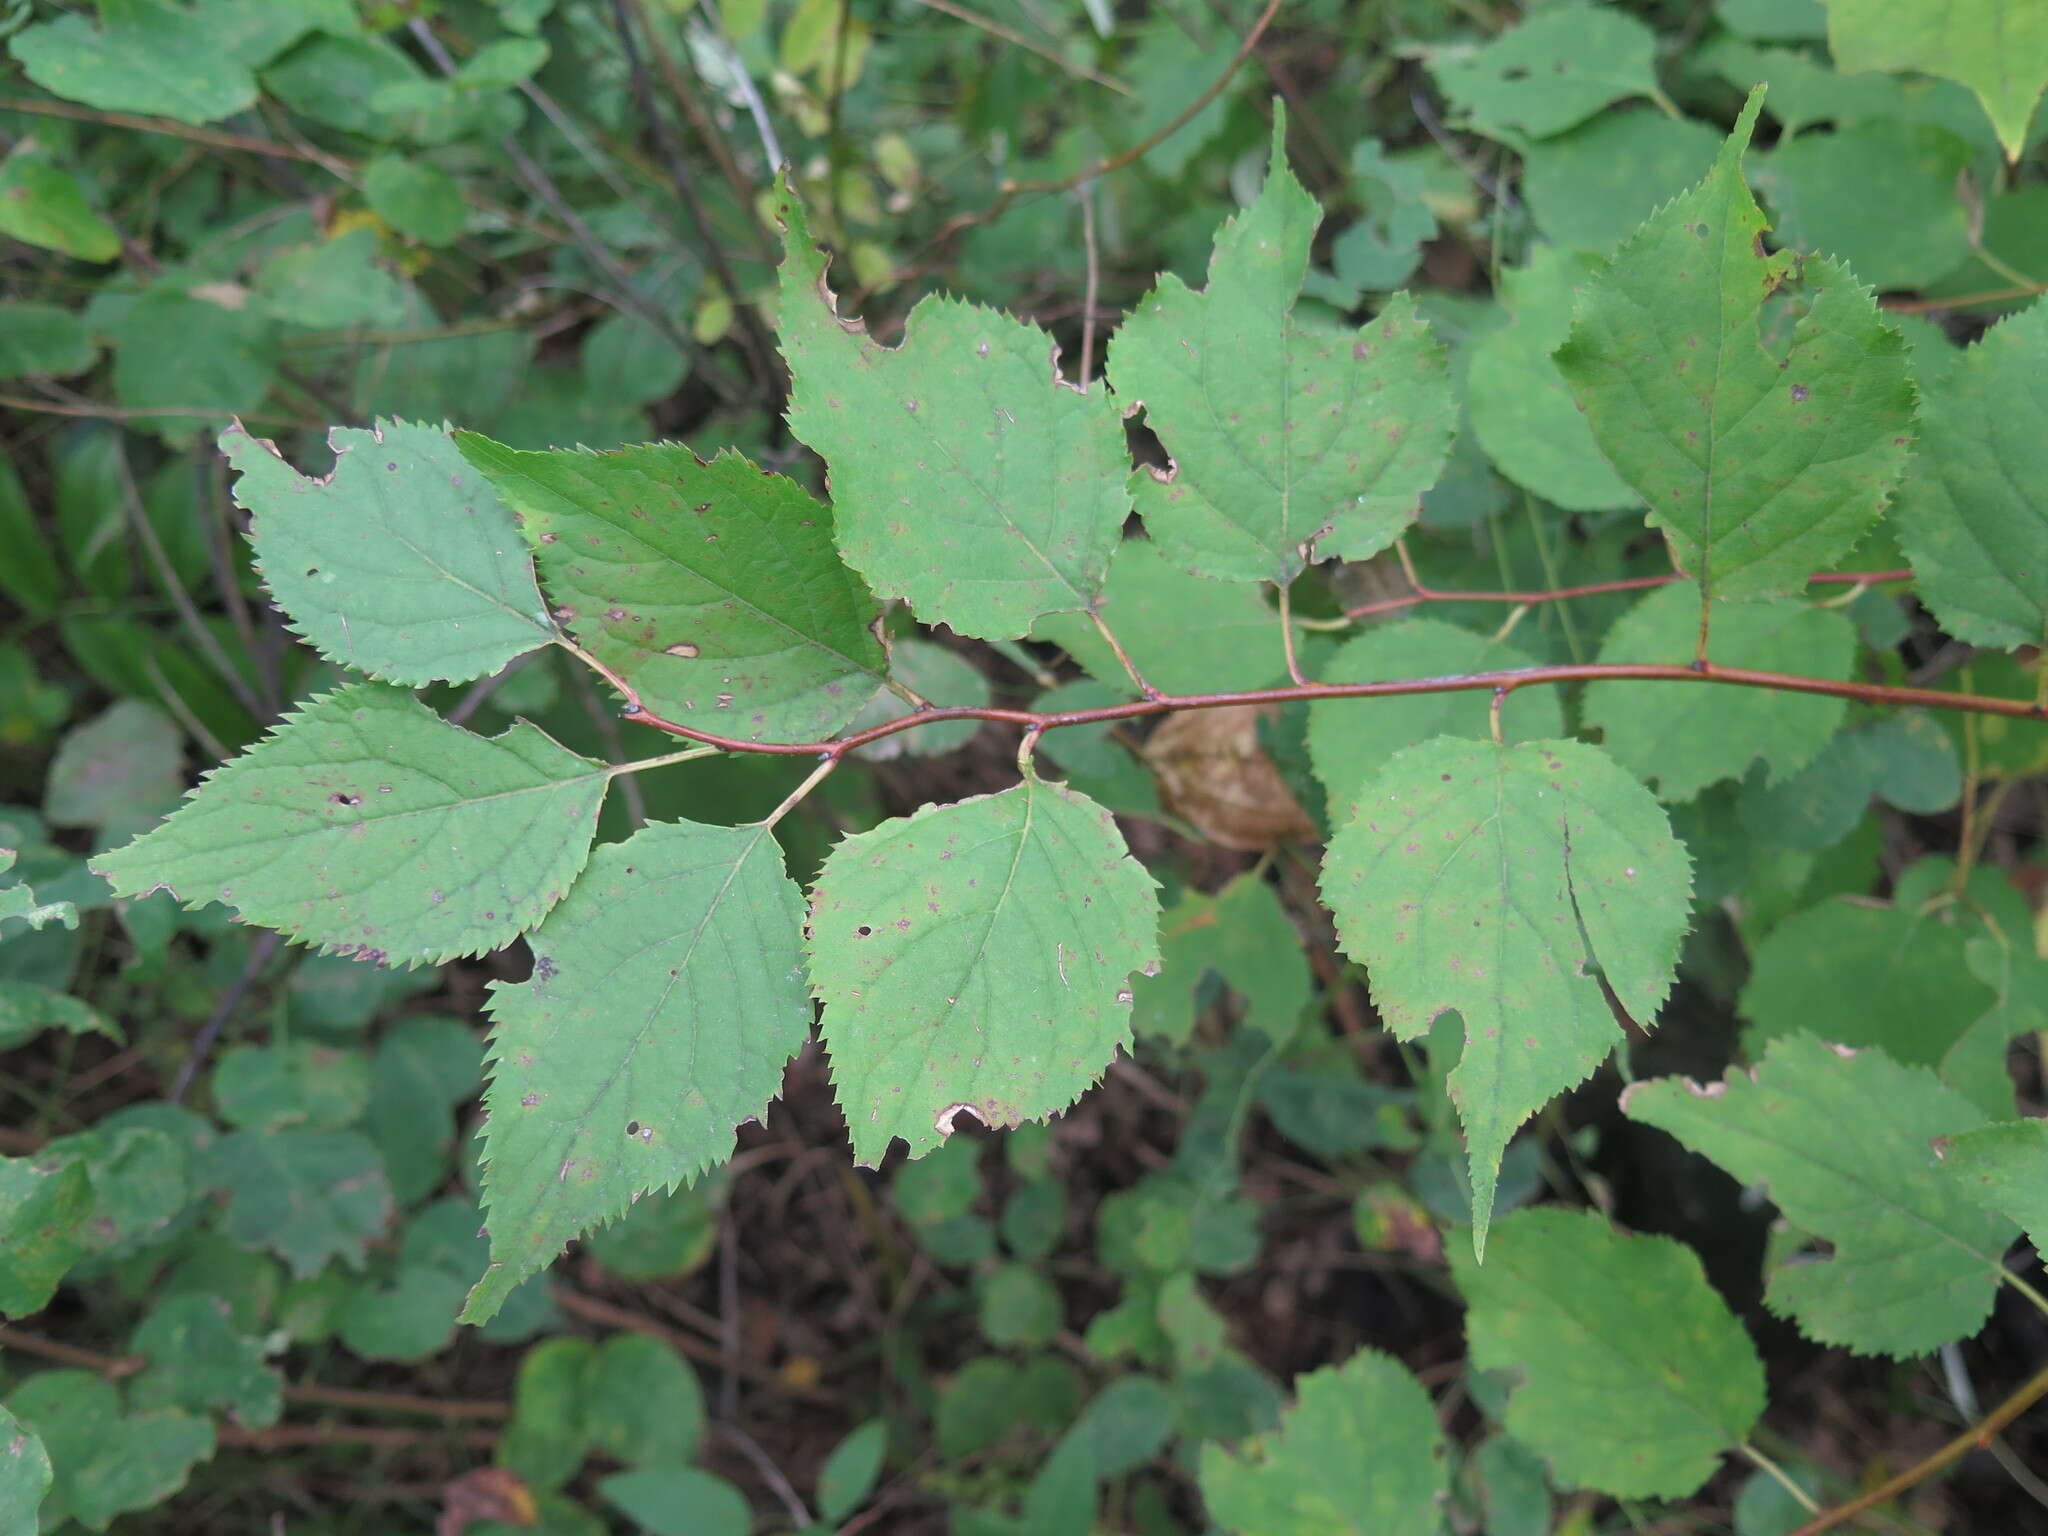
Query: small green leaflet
(1635, 1376)
(1973, 513)
(402, 563)
(1761, 465)
(712, 588)
(1288, 443)
(977, 959)
(1550, 72)
(25, 1476)
(107, 1462)
(18, 901)
(1842, 1140)
(1998, 48)
(967, 478)
(1350, 741)
(366, 824)
(43, 1203)
(199, 1360)
(1244, 935)
(1359, 1453)
(1494, 881)
(667, 994)
(1688, 738)
(2004, 1168)
(309, 1196)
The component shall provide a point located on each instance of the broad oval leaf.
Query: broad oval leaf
(667, 994)
(976, 959)
(1760, 464)
(402, 563)
(1287, 442)
(967, 478)
(1550, 72)
(713, 588)
(1635, 1376)
(1509, 883)
(2004, 1168)
(1359, 1453)
(1997, 48)
(1841, 1138)
(1973, 513)
(367, 824)
(1686, 738)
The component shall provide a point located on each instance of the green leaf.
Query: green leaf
(199, 1360)
(1973, 512)
(679, 1501)
(1761, 463)
(1550, 72)
(1687, 738)
(644, 1403)
(121, 768)
(630, 361)
(934, 672)
(976, 958)
(107, 1463)
(549, 1433)
(967, 477)
(1146, 602)
(851, 1470)
(416, 198)
(18, 901)
(1518, 886)
(43, 1203)
(192, 355)
(41, 204)
(1288, 444)
(1351, 740)
(1020, 1308)
(299, 1082)
(1818, 185)
(667, 994)
(41, 338)
(1998, 48)
(25, 1476)
(2004, 1168)
(331, 284)
(1908, 759)
(368, 825)
(713, 588)
(1635, 1376)
(1522, 411)
(399, 563)
(1358, 1454)
(308, 1196)
(423, 1069)
(411, 1319)
(1243, 935)
(1860, 976)
(1841, 1139)
(26, 1010)
(1589, 189)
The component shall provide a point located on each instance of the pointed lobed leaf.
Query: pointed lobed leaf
(1688, 738)
(367, 824)
(976, 958)
(1997, 48)
(966, 477)
(1635, 1376)
(1350, 740)
(714, 589)
(1287, 443)
(402, 563)
(1494, 881)
(1842, 1140)
(1359, 1453)
(667, 994)
(1760, 466)
(1973, 513)
(2004, 1168)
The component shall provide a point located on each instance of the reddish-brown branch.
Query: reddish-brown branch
(1423, 594)
(1466, 682)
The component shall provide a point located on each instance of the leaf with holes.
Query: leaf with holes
(713, 589)
(967, 478)
(1761, 459)
(1635, 1376)
(1686, 738)
(402, 563)
(976, 959)
(1550, 72)
(667, 993)
(368, 825)
(1973, 514)
(1841, 1139)
(1518, 886)
(1288, 442)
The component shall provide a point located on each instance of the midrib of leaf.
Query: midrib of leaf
(468, 586)
(1002, 901)
(605, 773)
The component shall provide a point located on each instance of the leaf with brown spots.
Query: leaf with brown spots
(976, 959)
(1290, 442)
(1516, 886)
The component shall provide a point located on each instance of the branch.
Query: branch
(1977, 1435)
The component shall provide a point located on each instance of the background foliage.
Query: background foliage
(1234, 1288)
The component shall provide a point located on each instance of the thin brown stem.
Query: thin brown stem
(1017, 39)
(1976, 1436)
(1423, 594)
(1122, 656)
